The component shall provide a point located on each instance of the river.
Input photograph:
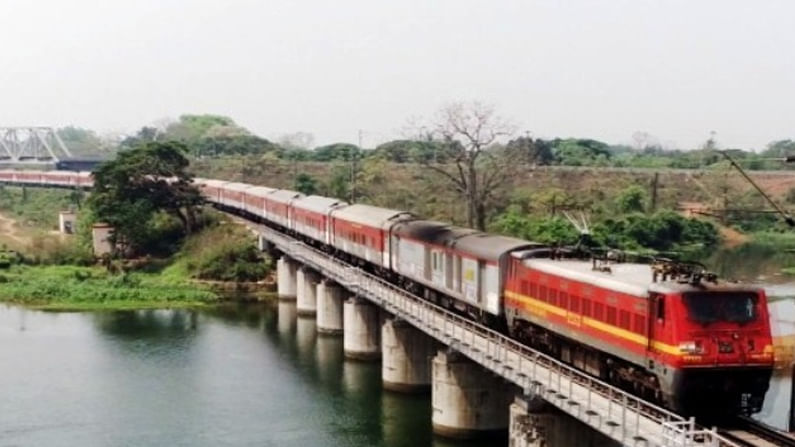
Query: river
(235, 376)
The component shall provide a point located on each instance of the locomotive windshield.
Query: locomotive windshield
(710, 307)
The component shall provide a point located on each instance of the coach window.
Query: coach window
(542, 293)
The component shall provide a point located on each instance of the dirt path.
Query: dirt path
(10, 231)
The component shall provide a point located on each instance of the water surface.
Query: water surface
(234, 376)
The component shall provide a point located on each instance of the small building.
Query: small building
(67, 222)
(100, 237)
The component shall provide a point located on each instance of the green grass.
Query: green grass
(93, 288)
(219, 252)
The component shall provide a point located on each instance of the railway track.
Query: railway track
(747, 432)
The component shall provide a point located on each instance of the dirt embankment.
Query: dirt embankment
(11, 234)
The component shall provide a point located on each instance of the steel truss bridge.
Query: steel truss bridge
(31, 146)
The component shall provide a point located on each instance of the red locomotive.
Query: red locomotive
(698, 345)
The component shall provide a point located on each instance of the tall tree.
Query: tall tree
(141, 183)
(478, 168)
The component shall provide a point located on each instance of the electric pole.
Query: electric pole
(655, 183)
(353, 168)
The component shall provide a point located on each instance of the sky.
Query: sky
(676, 69)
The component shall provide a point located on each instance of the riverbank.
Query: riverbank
(52, 287)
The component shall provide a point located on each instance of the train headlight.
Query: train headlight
(690, 347)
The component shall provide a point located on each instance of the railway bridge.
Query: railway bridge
(479, 380)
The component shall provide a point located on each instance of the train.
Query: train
(678, 336)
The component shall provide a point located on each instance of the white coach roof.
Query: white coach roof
(284, 196)
(317, 204)
(630, 278)
(259, 191)
(368, 215)
(212, 182)
(234, 186)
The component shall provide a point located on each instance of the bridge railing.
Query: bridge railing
(617, 414)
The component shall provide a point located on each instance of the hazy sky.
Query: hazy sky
(601, 69)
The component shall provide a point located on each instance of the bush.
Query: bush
(220, 252)
(238, 262)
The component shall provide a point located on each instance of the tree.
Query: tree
(632, 200)
(336, 152)
(407, 151)
(581, 152)
(305, 183)
(531, 151)
(82, 142)
(780, 148)
(144, 135)
(478, 170)
(191, 128)
(133, 191)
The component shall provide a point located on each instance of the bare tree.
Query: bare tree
(479, 167)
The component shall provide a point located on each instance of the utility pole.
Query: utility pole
(654, 185)
(353, 168)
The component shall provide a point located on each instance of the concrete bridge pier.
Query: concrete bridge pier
(407, 353)
(306, 292)
(362, 334)
(329, 307)
(535, 423)
(468, 401)
(286, 278)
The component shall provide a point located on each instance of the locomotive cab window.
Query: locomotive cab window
(732, 307)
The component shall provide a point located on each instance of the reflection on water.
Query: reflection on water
(237, 375)
(751, 262)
